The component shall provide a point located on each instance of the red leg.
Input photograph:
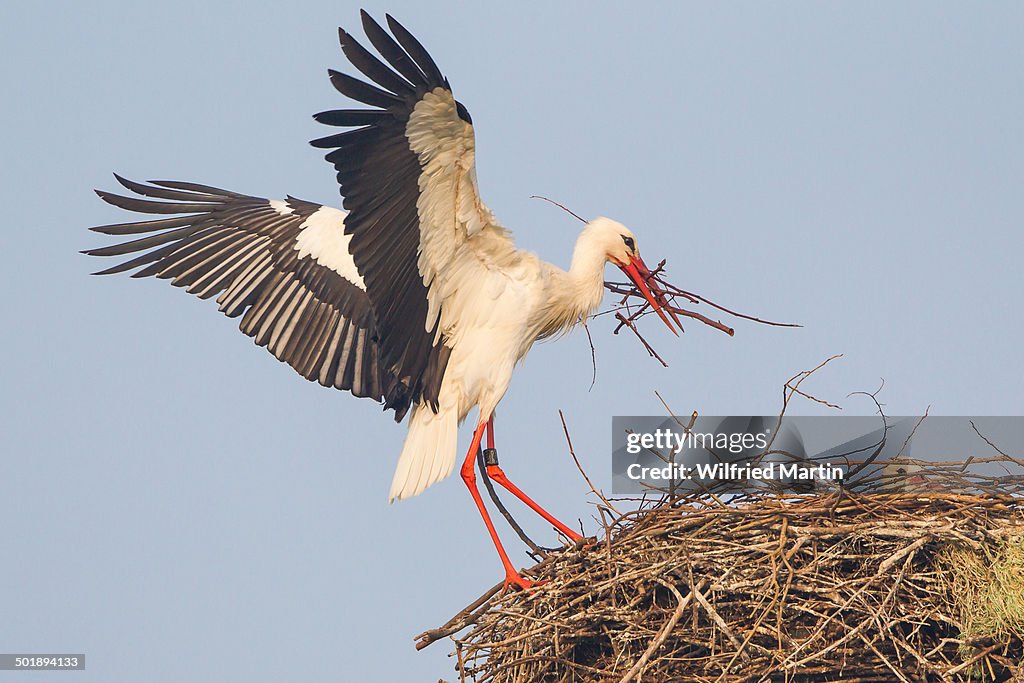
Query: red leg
(496, 474)
(469, 476)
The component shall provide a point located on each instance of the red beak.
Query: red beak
(638, 272)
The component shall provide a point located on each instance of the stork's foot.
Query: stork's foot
(577, 540)
(514, 579)
(584, 542)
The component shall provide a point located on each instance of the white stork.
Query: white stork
(414, 295)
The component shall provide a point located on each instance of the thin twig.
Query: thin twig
(629, 323)
(552, 201)
(986, 440)
(576, 460)
(906, 442)
(593, 355)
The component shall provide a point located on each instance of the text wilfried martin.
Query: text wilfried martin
(771, 471)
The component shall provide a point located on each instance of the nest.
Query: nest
(854, 586)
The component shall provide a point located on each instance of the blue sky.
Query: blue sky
(177, 503)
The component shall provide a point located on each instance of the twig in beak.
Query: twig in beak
(660, 296)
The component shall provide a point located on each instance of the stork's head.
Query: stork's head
(621, 248)
(616, 240)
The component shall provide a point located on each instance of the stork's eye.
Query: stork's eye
(630, 244)
(901, 470)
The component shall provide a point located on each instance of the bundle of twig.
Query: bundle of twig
(849, 586)
(633, 305)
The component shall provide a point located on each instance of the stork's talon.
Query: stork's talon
(584, 543)
(575, 539)
(514, 579)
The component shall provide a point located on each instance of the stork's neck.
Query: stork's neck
(574, 294)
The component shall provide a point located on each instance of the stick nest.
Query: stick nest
(846, 586)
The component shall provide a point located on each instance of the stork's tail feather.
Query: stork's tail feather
(428, 455)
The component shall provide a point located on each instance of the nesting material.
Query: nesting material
(870, 586)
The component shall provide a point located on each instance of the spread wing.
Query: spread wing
(284, 266)
(420, 232)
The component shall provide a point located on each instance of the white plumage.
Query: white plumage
(493, 317)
